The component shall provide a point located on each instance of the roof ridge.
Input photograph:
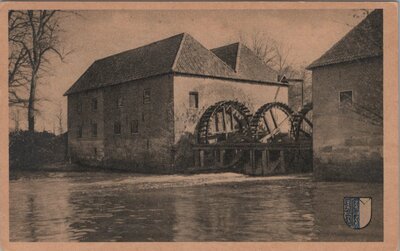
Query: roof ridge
(224, 46)
(237, 57)
(181, 53)
(335, 45)
(211, 53)
(178, 53)
(142, 46)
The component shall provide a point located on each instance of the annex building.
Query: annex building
(348, 105)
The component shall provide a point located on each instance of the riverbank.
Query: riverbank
(63, 166)
(106, 178)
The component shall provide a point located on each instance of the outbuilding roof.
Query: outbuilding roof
(245, 63)
(178, 54)
(363, 41)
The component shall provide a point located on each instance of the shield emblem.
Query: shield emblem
(357, 211)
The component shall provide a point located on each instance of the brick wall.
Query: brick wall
(150, 148)
(166, 124)
(348, 139)
(87, 149)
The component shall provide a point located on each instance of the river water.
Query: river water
(106, 206)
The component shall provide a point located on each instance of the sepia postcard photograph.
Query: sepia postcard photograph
(203, 126)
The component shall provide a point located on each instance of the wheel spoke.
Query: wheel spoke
(231, 118)
(308, 122)
(266, 124)
(273, 118)
(216, 122)
(223, 119)
(267, 129)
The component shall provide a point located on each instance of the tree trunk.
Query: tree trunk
(31, 104)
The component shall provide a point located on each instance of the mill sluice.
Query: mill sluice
(273, 140)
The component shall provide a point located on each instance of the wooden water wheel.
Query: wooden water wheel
(305, 126)
(272, 122)
(223, 123)
(301, 160)
(302, 123)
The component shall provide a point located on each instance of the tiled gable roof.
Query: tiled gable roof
(194, 58)
(178, 54)
(363, 41)
(149, 60)
(251, 66)
(245, 63)
(228, 53)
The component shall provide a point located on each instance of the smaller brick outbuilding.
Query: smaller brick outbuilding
(348, 105)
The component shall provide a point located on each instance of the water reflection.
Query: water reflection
(123, 216)
(243, 212)
(40, 211)
(120, 207)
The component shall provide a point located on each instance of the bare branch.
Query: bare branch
(33, 38)
(274, 54)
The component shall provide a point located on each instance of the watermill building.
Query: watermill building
(139, 109)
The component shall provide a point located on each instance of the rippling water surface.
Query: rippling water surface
(103, 206)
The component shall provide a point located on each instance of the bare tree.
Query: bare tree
(16, 119)
(59, 117)
(262, 45)
(34, 37)
(282, 64)
(17, 60)
(273, 53)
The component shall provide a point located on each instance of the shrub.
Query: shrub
(30, 150)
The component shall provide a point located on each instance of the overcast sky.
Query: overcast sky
(96, 34)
